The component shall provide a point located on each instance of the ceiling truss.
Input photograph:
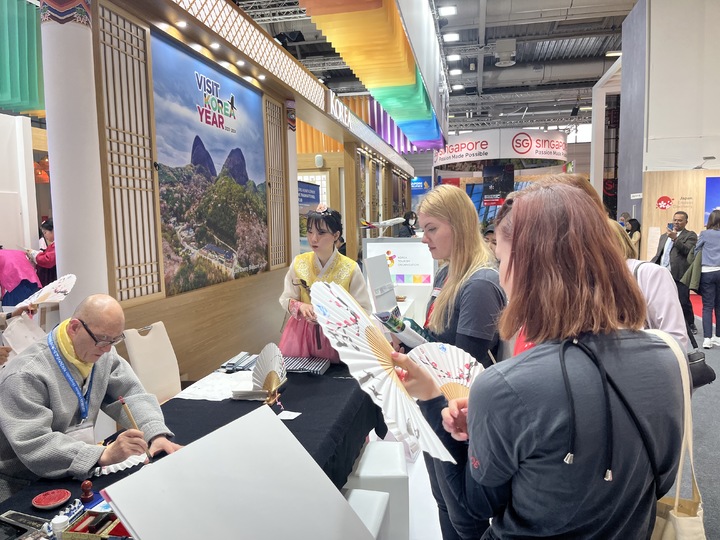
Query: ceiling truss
(544, 40)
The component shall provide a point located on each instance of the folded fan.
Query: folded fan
(453, 369)
(362, 346)
(269, 371)
(268, 376)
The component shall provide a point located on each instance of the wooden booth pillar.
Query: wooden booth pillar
(334, 193)
(373, 195)
(387, 191)
(350, 188)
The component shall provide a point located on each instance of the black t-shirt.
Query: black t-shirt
(477, 309)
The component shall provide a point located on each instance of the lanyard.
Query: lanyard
(84, 401)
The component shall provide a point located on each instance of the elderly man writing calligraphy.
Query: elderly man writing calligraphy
(51, 393)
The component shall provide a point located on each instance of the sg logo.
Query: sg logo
(522, 143)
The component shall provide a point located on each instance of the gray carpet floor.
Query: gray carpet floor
(706, 427)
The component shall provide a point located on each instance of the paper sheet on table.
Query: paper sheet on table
(217, 386)
(230, 484)
(20, 333)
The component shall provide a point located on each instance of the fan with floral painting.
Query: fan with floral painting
(363, 347)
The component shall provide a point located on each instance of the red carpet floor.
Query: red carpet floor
(696, 301)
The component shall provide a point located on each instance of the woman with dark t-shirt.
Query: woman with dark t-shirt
(463, 311)
(550, 447)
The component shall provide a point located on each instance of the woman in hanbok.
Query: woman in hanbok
(302, 336)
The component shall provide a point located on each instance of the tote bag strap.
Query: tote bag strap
(687, 443)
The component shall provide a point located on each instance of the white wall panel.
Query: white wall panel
(683, 121)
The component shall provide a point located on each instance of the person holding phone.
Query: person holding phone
(672, 253)
(624, 218)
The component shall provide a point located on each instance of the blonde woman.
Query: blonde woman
(463, 310)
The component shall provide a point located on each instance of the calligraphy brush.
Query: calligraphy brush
(133, 423)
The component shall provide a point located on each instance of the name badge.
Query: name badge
(436, 291)
(83, 432)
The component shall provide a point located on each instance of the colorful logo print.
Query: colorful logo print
(664, 202)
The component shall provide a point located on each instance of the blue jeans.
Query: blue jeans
(710, 292)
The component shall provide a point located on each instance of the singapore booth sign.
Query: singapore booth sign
(503, 144)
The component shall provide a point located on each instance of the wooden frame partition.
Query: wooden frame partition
(206, 326)
(664, 194)
(210, 325)
(127, 139)
(332, 163)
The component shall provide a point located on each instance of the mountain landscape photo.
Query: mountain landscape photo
(214, 225)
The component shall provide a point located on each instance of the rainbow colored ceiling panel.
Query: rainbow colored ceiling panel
(369, 36)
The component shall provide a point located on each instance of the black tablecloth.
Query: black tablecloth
(336, 417)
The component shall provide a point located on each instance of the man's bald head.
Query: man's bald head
(99, 305)
(103, 316)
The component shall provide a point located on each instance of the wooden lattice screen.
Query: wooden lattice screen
(132, 187)
(276, 183)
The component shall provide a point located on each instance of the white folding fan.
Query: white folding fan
(268, 376)
(362, 346)
(453, 369)
(53, 292)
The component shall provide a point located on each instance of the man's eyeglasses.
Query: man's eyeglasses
(101, 343)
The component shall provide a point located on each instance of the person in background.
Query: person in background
(44, 260)
(489, 237)
(51, 393)
(407, 227)
(624, 218)
(5, 351)
(672, 253)
(663, 308)
(709, 243)
(340, 245)
(552, 451)
(463, 311)
(632, 226)
(302, 336)
(18, 279)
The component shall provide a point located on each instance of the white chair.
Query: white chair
(153, 360)
(382, 467)
(372, 509)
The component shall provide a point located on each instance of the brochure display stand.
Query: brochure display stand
(411, 267)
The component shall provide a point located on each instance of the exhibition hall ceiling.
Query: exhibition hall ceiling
(513, 63)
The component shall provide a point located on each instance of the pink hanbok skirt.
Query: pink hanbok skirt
(304, 339)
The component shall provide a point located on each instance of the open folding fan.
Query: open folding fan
(53, 292)
(452, 368)
(269, 371)
(362, 346)
(268, 376)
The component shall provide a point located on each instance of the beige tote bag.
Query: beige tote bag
(677, 518)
